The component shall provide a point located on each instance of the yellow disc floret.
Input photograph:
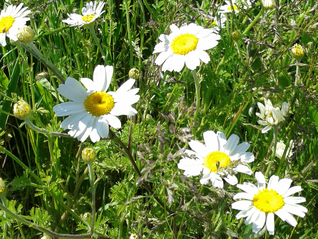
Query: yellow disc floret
(184, 43)
(268, 201)
(235, 8)
(214, 158)
(6, 23)
(88, 18)
(99, 103)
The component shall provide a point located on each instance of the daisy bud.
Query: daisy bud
(2, 187)
(21, 110)
(297, 52)
(87, 216)
(88, 155)
(134, 73)
(46, 237)
(268, 4)
(25, 34)
(133, 236)
(236, 36)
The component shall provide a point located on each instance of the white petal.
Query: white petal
(72, 90)
(283, 185)
(243, 196)
(113, 121)
(242, 205)
(243, 169)
(273, 182)
(192, 60)
(259, 223)
(69, 108)
(211, 141)
(199, 148)
(260, 180)
(295, 209)
(294, 200)
(270, 223)
(231, 144)
(292, 190)
(231, 179)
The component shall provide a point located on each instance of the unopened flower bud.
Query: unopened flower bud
(21, 110)
(2, 187)
(236, 36)
(88, 155)
(25, 34)
(46, 237)
(134, 73)
(297, 51)
(268, 4)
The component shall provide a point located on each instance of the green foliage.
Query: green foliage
(49, 185)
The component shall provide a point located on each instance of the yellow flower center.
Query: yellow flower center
(268, 201)
(184, 43)
(235, 8)
(88, 18)
(99, 103)
(6, 23)
(216, 160)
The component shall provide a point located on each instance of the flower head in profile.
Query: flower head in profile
(235, 6)
(217, 159)
(280, 149)
(11, 19)
(271, 116)
(91, 111)
(185, 46)
(261, 203)
(89, 14)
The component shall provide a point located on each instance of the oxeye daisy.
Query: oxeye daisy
(11, 19)
(271, 116)
(262, 203)
(217, 159)
(91, 111)
(235, 6)
(185, 45)
(89, 14)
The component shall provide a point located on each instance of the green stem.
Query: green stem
(37, 227)
(32, 49)
(197, 92)
(91, 180)
(44, 131)
(126, 3)
(253, 22)
(21, 164)
(5, 231)
(92, 30)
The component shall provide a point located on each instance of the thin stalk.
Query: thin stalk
(37, 227)
(126, 3)
(92, 30)
(5, 231)
(44, 131)
(33, 50)
(2, 149)
(197, 92)
(91, 180)
(256, 19)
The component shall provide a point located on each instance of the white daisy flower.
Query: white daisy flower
(11, 19)
(280, 148)
(261, 202)
(216, 159)
(89, 14)
(218, 22)
(185, 45)
(271, 116)
(235, 6)
(91, 111)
